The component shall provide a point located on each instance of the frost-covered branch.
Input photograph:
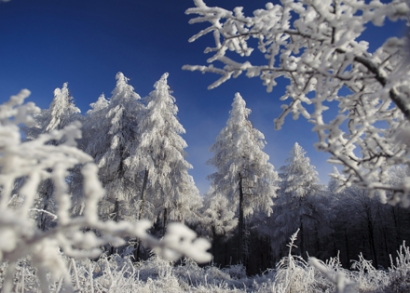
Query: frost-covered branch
(341, 282)
(316, 46)
(32, 162)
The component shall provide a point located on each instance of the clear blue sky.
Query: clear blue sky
(44, 43)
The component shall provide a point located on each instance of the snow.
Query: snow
(29, 163)
(65, 196)
(318, 49)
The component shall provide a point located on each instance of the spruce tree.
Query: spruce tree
(218, 221)
(295, 205)
(111, 135)
(91, 142)
(244, 175)
(168, 192)
(62, 111)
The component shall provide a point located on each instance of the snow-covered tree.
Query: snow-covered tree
(295, 207)
(372, 227)
(218, 215)
(61, 113)
(218, 222)
(93, 122)
(244, 174)
(111, 135)
(167, 191)
(39, 160)
(299, 177)
(318, 47)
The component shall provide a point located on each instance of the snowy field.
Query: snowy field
(119, 274)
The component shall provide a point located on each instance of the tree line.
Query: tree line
(250, 210)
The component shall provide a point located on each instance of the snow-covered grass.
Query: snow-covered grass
(293, 274)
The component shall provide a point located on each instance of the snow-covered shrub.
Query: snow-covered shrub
(119, 274)
(30, 163)
(293, 272)
(399, 273)
(236, 271)
(368, 278)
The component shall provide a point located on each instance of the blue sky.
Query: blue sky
(44, 43)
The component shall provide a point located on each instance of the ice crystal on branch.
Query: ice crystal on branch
(244, 175)
(168, 191)
(118, 119)
(315, 46)
(38, 160)
(61, 113)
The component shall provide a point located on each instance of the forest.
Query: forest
(103, 201)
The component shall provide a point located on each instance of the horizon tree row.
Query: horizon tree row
(249, 212)
(137, 146)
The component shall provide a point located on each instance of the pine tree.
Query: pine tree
(111, 135)
(167, 190)
(295, 205)
(218, 221)
(91, 140)
(62, 111)
(244, 174)
(218, 215)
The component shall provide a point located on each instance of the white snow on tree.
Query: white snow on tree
(167, 190)
(299, 177)
(296, 203)
(61, 113)
(39, 160)
(219, 217)
(318, 47)
(244, 174)
(111, 135)
(93, 122)
(62, 109)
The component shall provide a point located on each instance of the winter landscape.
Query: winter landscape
(105, 198)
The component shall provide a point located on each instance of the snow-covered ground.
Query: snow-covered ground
(293, 274)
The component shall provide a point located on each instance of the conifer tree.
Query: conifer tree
(218, 214)
(111, 135)
(295, 205)
(167, 191)
(93, 122)
(62, 111)
(218, 219)
(244, 174)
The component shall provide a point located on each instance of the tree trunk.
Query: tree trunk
(241, 223)
(164, 223)
(116, 211)
(42, 224)
(43, 217)
(137, 244)
(396, 228)
(371, 234)
(347, 248)
(214, 244)
(144, 187)
(302, 244)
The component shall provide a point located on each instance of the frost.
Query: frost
(317, 48)
(244, 175)
(167, 191)
(29, 164)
